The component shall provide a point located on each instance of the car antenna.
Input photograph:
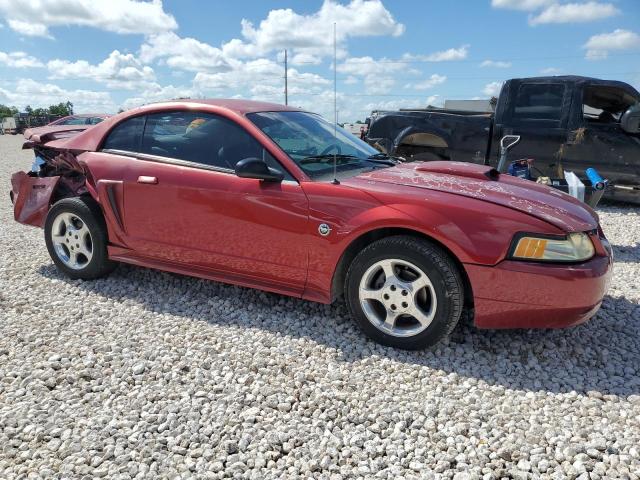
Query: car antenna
(335, 110)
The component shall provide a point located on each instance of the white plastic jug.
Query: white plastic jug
(576, 187)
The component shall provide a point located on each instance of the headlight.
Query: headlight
(575, 247)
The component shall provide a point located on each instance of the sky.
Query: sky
(104, 56)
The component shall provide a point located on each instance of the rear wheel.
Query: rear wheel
(76, 238)
(404, 292)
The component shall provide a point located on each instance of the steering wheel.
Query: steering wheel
(328, 149)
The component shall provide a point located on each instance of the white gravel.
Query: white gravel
(151, 375)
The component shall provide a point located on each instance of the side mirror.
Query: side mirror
(256, 168)
(630, 120)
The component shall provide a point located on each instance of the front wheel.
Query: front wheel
(76, 238)
(404, 292)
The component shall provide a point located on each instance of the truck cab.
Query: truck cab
(565, 123)
(571, 123)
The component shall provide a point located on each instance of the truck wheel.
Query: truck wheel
(76, 238)
(404, 292)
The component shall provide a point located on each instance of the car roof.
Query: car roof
(89, 139)
(86, 115)
(579, 80)
(239, 106)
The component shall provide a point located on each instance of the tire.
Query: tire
(417, 305)
(76, 238)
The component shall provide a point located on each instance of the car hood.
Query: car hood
(486, 184)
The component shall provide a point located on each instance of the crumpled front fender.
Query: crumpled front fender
(31, 197)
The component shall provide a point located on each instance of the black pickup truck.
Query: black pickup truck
(565, 123)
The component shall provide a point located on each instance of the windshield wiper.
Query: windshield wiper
(382, 158)
(328, 157)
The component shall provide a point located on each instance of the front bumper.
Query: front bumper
(516, 294)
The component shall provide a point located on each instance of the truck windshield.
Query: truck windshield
(310, 142)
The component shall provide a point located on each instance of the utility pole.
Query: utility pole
(286, 86)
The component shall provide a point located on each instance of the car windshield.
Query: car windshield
(313, 143)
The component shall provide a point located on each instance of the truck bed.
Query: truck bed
(466, 134)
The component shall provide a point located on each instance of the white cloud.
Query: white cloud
(574, 13)
(492, 89)
(377, 74)
(33, 18)
(157, 93)
(19, 60)
(527, 5)
(351, 80)
(364, 66)
(259, 76)
(38, 94)
(305, 58)
(428, 83)
(183, 53)
(443, 56)
(312, 34)
(599, 46)
(118, 70)
(378, 84)
(433, 100)
(29, 29)
(495, 64)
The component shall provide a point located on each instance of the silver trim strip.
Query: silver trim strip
(177, 161)
(169, 160)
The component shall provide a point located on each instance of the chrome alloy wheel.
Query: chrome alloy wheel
(72, 240)
(397, 297)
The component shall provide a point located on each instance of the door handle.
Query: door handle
(147, 180)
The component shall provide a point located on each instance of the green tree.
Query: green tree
(28, 110)
(6, 111)
(61, 109)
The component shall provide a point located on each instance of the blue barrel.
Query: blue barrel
(596, 180)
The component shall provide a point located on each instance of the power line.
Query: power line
(425, 60)
(492, 77)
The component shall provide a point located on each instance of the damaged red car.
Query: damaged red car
(272, 197)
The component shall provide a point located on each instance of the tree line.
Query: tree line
(62, 109)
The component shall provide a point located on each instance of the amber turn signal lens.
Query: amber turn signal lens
(574, 248)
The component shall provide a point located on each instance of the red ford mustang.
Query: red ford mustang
(246, 193)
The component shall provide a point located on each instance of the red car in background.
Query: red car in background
(71, 123)
(81, 119)
(270, 197)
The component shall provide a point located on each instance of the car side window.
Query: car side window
(539, 102)
(605, 104)
(202, 138)
(125, 136)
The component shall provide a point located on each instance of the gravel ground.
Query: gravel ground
(146, 374)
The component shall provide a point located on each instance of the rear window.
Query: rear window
(74, 121)
(125, 136)
(539, 102)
